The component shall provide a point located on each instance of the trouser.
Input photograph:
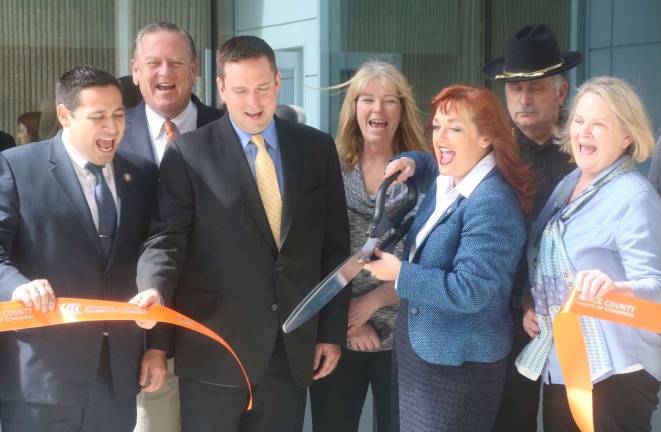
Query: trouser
(159, 411)
(102, 411)
(621, 403)
(520, 401)
(278, 402)
(337, 400)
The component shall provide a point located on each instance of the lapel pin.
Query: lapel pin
(128, 178)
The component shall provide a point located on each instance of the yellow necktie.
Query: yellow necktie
(267, 183)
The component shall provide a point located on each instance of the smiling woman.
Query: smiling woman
(453, 330)
(378, 120)
(599, 232)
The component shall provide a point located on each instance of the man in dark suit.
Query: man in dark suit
(251, 216)
(164, 67)
(535, 90)
(73, 215)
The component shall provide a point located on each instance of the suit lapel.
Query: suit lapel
(137, 132)
(65, 176)
(424, 215)
(290, 155)
(203, 113)
(234, 160)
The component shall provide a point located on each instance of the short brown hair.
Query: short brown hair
(31, 122)
(72, 82)
(243, 48)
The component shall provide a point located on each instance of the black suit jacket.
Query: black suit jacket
(212, 255)
(47, 231)
(136, 137)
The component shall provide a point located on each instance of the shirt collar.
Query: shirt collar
(155, 121)
(619, 161)
(270, 135)
(468, 184)
(76, 157)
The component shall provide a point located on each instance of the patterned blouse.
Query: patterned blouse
(360, 207)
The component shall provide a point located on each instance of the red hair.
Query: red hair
(491, 121)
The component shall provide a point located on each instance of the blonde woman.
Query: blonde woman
(378, 119)
(601, 223)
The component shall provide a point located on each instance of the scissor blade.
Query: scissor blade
(328, 288)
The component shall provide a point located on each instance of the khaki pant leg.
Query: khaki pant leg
(159, 411)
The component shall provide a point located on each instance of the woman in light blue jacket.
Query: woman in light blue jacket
(600, 231)
(453, 331)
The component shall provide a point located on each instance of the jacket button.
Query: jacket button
(274, 307)
(279, 268)
(108, 274)
(414, 311)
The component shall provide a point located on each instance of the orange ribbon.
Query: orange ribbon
(15, 316)
(570, 345)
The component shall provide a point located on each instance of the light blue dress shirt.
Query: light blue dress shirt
(270, 135)
(618, 232)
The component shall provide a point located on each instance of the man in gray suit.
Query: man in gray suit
(655, 167)
(164, 67)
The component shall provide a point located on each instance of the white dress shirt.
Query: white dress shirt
(186, 121)
(88, 180)
(447, 193)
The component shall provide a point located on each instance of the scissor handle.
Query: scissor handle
(388, 243)
(382, 222)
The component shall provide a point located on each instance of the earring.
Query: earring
(484, 145)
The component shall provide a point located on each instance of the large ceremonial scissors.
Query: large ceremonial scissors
(393, 226)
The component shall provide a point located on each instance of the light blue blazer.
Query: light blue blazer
(457, 288)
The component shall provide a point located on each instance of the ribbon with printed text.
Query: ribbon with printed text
(570, 344)
(15, 316)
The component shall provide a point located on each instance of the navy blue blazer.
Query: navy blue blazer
(136, 137)
(459, 283)
(47, 232)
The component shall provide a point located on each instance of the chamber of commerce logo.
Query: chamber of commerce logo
(71, 308)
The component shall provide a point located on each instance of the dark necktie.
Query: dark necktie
(105, 205)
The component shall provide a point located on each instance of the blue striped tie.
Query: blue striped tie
(106, 207)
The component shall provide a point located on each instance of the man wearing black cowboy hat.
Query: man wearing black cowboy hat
(535, 90)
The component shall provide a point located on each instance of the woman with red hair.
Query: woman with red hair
(453, 330)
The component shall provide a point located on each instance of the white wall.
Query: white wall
(289, 24)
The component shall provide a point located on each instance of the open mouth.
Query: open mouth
(378, 124)
(446, 156)
(587, 149)
(106, 146)
(165, 87)
(255, 116)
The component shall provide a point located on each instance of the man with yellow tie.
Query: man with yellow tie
(251, 217)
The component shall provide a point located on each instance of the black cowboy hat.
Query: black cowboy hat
(532, 53)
